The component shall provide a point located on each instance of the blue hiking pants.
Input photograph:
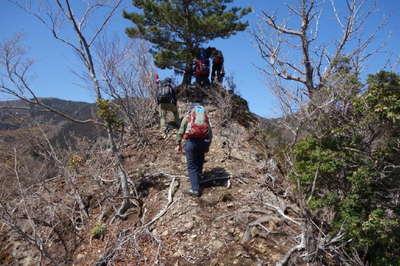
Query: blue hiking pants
(195, 150)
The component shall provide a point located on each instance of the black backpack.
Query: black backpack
(166, 93)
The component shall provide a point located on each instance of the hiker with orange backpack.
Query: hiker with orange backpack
(201, 67)
(196, 130)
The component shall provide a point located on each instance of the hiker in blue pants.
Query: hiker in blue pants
(195, 150)
(196, 130)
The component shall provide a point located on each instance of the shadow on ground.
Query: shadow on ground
(215, 177)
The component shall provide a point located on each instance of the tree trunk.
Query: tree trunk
(121, 173)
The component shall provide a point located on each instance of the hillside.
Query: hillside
(232, 223)
(78, 110)
(18, 116)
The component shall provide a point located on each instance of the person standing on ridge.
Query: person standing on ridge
(166, 99)
(217, 71)
(196, 130)
(201, 67)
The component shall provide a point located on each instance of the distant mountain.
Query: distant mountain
(18, 114)
(78, 110)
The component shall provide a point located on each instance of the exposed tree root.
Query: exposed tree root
(171, 192)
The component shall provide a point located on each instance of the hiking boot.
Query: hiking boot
(193, 193)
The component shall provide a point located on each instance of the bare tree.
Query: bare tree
(299, 56)
(16, 77)
(54, 15)
(128, 77)
(305, 71)
(313, 79)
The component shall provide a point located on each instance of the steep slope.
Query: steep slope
(232, 223)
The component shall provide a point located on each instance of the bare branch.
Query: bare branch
(287, 256)
(51, 25)
(171, 192)
(270, 20)
(317, 64)
(106, 20)
(17, 67)
(314, 182)
(336, 14)
(282, 213)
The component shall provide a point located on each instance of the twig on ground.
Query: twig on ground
(300, 246)
(171, 191)
(281, 212)
(241, 180)
(247, 234)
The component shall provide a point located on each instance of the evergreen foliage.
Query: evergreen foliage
(177, 28)
(108, 112)
(353, 170)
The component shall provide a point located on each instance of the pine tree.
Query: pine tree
(177, 28)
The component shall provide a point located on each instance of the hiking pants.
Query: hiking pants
(217, 70)
(164, 108)
(202, 80)
(195, 150)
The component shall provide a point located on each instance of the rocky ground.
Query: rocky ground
(232, 223)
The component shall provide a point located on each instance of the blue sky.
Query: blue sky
(54, 61)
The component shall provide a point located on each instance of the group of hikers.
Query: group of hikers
(201, 66)
(166, 95)
(195, 126)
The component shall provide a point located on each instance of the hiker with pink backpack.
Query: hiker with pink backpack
(196, 130)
